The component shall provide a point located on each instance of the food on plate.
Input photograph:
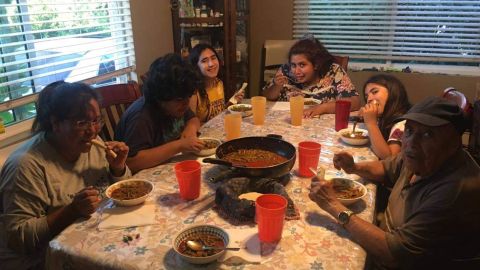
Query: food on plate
(348, 191)
(210, 144)
(204, 238)
(241, 108)
(254, 158)
(252, 196)
(131, 190)
(355, 135)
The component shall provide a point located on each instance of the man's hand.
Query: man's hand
(344, 160)
(323, 194)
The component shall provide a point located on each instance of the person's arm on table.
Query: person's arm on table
(367, 235)
(371, 170)
(152, 157)
(329, 107)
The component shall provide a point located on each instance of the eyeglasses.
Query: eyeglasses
(86, 124)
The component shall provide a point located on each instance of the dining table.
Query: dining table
(314, 241)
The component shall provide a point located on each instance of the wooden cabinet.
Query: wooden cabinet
(224, 24)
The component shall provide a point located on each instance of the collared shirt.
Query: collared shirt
(435, 220)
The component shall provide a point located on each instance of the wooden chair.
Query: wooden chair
(115, 99)
(275, 53)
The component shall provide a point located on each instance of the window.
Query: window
(42, 41)
(427, 35)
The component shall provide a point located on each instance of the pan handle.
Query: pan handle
(217, 161)
(275, 136)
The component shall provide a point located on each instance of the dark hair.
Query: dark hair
(315, 52)
(169, 78)
(397, 102)
(62, 100)
(194, 57)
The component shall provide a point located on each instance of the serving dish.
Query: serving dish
(129, 192)
(209, 235)
(360, 137)
(244, 109)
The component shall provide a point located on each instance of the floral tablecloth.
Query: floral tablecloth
(316, 241)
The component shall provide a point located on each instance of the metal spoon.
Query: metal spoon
(197, 246)
(353, 130)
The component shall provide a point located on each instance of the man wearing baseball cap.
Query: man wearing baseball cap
(432, 219)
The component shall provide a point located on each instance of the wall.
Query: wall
(152, 31)
(420, 85)
(272, 19)
(269, 19)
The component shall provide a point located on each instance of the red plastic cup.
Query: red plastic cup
(188, 174)
(270, 214)
(308, 155)
(342, 112)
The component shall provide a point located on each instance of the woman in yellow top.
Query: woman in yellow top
(209, 101)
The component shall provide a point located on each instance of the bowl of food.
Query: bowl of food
(309, 102)
(209, 146)
(244, 109)
(359, 137)
(129, 192)
(208, 235)
(348, 191)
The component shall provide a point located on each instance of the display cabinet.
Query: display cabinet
(224, 24)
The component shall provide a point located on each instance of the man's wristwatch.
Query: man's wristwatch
(344, 216)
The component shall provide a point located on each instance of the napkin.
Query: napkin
(123, 217)
(247, 240)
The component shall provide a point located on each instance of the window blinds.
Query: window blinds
(402, 31)
(42, 41)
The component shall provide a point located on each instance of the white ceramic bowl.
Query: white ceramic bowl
(187, 234)
(309, 102)
(344, 182)
(211, 150)
(244, 109)
(133, 183)
(343, 134)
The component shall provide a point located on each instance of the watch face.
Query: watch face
(344, 217)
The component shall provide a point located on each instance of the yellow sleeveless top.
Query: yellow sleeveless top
(214, 105)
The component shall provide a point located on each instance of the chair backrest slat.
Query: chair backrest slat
(115, 99)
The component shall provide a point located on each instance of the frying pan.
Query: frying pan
(270, 143)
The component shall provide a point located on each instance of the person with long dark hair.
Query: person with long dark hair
(386, 100)
(55, 177)
(311, 72)
(209, 100)
(160, 124)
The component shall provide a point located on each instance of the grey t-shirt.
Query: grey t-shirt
(35, 181)
(435, 220)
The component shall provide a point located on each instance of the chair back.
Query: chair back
(115, 99)
(275, 53)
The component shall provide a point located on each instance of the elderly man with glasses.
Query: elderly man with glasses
(432, 219)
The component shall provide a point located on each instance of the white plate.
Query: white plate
(353, 141)
(127, 183)
(245, 113)
(348, 182)
(208, 151)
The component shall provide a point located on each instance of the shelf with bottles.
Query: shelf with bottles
(200, 22)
